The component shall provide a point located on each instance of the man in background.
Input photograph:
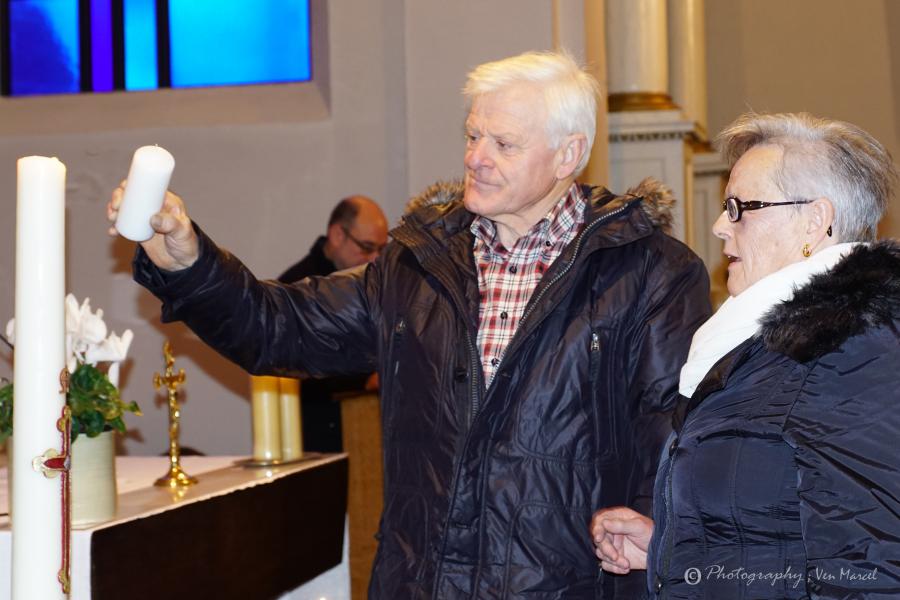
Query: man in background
(357, 232)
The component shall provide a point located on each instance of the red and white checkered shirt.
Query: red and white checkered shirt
(508, 277)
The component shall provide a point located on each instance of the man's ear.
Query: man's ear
(570, 152)
(336, 235)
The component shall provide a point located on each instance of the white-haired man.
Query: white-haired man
(527, 331)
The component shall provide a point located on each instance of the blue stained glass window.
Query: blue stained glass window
(43, 52)
(141, 71)
(64, 46)
(225, 43)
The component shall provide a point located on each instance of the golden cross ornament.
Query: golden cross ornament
(176, 477)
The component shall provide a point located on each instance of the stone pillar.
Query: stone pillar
(637, 55)
(687, 61)
(578, 27)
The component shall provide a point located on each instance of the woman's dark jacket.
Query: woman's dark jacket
(782, 479)
(488, 492)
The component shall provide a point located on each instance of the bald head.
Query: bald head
(357, 232)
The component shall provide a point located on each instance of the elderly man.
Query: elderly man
(528, 332)
(357, 233)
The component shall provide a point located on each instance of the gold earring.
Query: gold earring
(806, 251)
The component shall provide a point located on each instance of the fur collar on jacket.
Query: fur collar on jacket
(657, 200)
(862, 291)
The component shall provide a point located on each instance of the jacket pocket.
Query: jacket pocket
(561, 409)
(389, 384)
(603, 406)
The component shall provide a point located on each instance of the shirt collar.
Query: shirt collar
(567, 213)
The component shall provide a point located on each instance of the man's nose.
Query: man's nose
(478, 154)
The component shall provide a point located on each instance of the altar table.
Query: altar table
(258, 533)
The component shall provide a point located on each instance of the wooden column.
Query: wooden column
(361, 425)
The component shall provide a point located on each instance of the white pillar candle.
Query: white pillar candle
(291, 432)
(266, 418)
(40, 357)
(145, 192)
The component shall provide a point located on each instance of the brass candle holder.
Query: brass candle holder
(176, 477)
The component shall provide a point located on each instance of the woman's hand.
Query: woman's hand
(174, 245)
(621, 537)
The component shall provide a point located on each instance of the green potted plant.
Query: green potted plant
(96, 407)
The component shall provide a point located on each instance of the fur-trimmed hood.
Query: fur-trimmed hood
(657, 199)
(861, 292)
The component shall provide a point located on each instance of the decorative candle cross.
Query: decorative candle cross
(176, 477)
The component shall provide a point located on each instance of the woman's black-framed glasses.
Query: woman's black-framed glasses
(735, 207)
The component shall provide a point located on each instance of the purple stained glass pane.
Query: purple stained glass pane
(101, 45)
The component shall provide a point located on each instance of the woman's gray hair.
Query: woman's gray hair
(822, 158)
(570, 93)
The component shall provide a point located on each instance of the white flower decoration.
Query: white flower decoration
(87, 340)
(112, 349)
(84, 329)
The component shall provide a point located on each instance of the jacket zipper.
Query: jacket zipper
(535, 301)
(667, 542)
(594, 378)
(475, 379)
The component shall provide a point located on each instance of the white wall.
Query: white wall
(260, 185)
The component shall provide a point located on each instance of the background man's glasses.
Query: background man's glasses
(735, 206)
(365, 246)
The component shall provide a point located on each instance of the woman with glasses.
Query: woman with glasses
(782, 476)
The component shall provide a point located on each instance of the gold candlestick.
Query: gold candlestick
(176, 477)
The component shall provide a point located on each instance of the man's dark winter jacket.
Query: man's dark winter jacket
(320, 409)
(783, 479)
(488, 492)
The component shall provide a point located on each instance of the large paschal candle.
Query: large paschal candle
(40, 357)
(145, 192)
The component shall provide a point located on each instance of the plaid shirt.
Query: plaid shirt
(508, 277)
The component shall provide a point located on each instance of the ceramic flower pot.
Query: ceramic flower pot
(92, 476)
(93, 479)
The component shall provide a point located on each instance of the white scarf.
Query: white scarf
(738, 317)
